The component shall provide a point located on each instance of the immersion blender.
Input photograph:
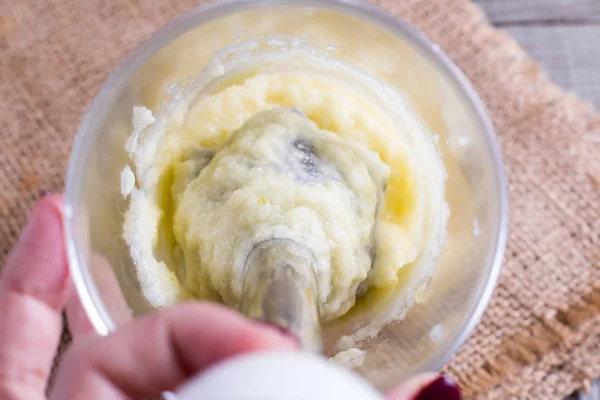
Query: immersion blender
(280, 288)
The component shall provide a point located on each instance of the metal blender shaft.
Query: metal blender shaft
(280, 287)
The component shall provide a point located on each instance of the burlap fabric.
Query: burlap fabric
(540, 336)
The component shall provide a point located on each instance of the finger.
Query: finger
(426, 387)
(159, 352)
(34, 286)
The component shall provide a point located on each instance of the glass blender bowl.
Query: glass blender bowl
(446, 308)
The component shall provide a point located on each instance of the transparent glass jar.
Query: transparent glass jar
(356, 33)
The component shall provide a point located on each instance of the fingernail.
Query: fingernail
(283, 331)
(441, 388)
(44, 193)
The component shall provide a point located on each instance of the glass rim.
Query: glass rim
(116, 81)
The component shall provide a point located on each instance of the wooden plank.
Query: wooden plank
(594, 393)
(512, 12)
(568, 55)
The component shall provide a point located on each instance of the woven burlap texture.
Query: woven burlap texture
(540, 336)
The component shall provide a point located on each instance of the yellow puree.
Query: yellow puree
(177, 257)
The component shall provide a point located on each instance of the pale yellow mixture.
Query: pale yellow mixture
(356, 178)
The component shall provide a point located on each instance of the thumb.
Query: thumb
(426, 387)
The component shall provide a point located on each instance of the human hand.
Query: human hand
(144, 358)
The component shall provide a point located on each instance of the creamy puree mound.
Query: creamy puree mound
(280, 176)
(357, 179)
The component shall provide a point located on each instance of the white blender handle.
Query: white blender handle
(278, 376)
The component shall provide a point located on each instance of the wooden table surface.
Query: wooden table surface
(564, 36)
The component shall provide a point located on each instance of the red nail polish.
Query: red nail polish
(44, 193)
(442, 388)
